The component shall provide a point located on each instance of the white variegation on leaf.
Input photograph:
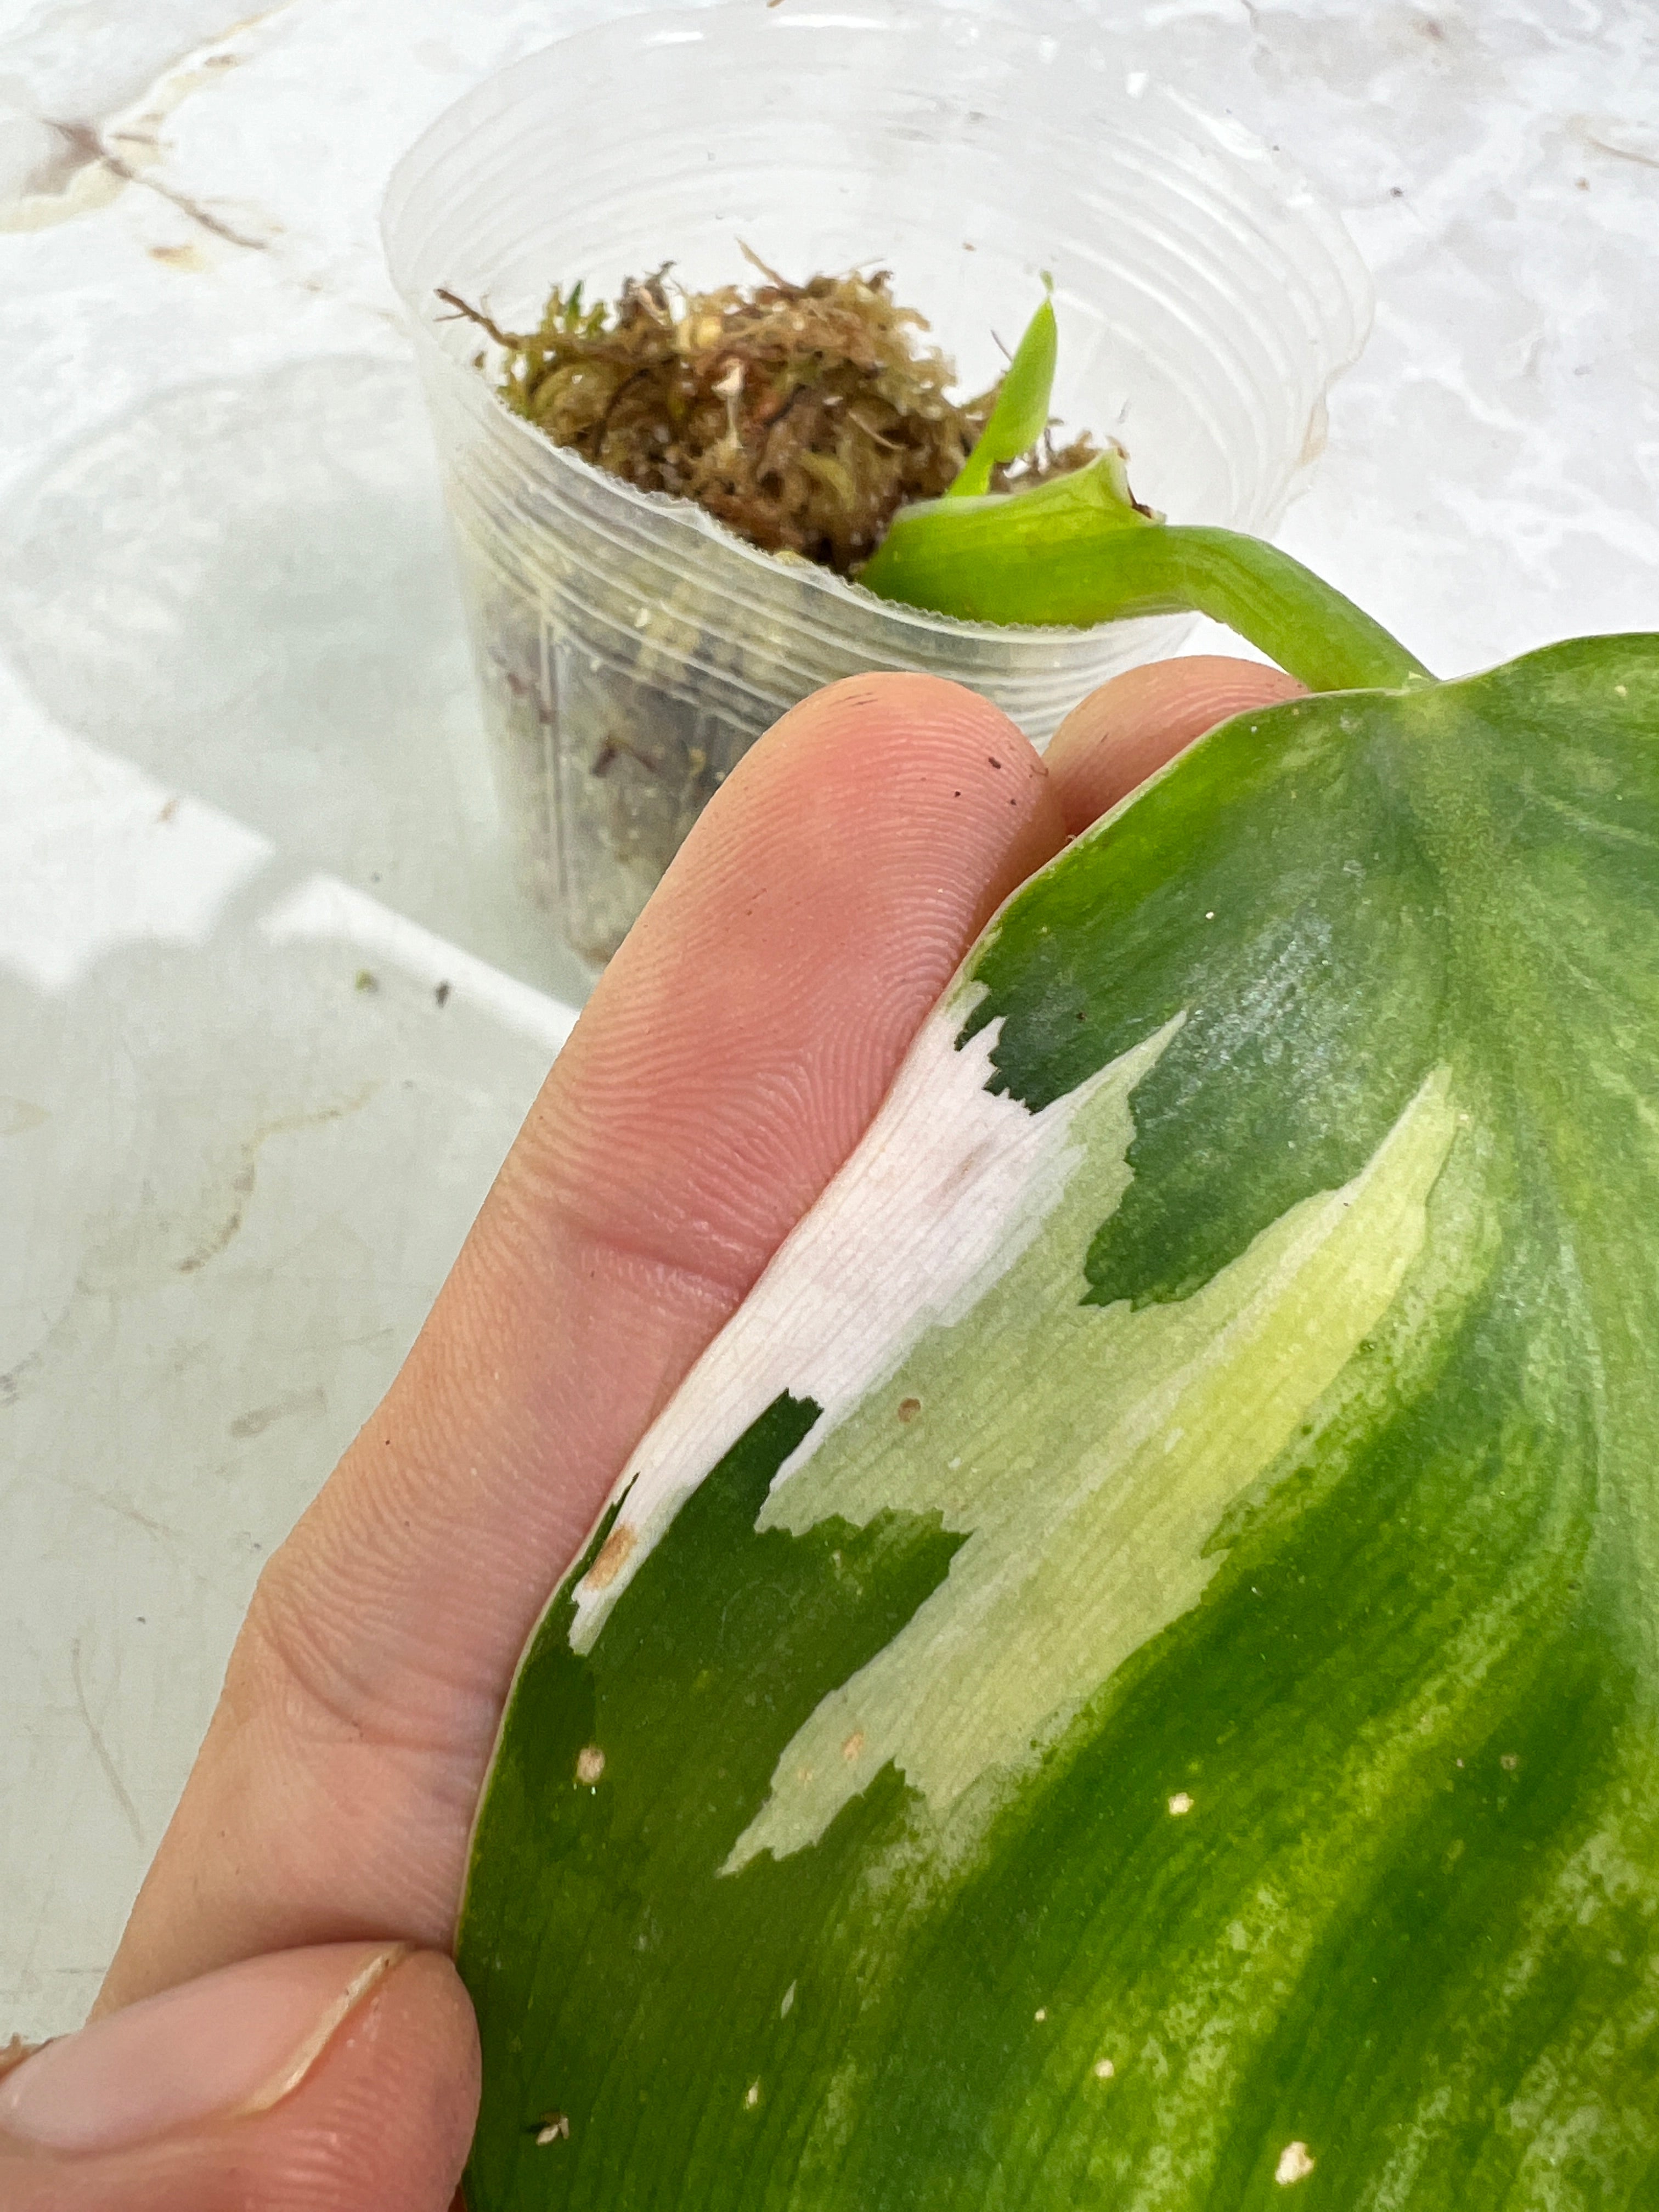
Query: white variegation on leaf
(1127, 1675)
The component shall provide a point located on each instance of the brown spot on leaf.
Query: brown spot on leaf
(613, 1554)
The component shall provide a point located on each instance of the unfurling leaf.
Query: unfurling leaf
(1021, 413)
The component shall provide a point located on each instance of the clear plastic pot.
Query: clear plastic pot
(630, 649)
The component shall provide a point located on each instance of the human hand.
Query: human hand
(314, 2047)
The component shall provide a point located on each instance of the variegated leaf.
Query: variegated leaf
(1128, 1677)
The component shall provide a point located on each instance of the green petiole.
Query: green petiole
(1078, 551)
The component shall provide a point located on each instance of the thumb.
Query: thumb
(341, 2078)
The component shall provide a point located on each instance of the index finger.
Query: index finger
(726, 1064)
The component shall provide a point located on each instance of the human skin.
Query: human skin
(724, 1068)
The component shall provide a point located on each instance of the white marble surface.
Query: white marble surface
(239, 761)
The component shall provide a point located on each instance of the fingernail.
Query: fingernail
(233, 2042)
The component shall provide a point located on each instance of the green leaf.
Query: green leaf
(1021, 413)
(1129, 1676)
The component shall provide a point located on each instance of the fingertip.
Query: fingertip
(853, 782)
(382, 2115)
(749, 1026)
(386, 2118)
(1128, 729)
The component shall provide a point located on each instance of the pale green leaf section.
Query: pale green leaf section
(1089, 1489)
(950, 1183)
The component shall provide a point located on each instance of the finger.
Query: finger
(1126, 731)
(342, 2079)
(724, 1067)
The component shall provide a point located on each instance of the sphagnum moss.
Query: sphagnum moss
(803, 417)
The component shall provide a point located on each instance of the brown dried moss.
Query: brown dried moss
(802, 416)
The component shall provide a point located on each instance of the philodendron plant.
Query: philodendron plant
(1129, 1676)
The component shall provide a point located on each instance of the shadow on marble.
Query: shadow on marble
(245, 588)
(237, 1179)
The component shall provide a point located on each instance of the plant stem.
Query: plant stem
(1077, 552)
